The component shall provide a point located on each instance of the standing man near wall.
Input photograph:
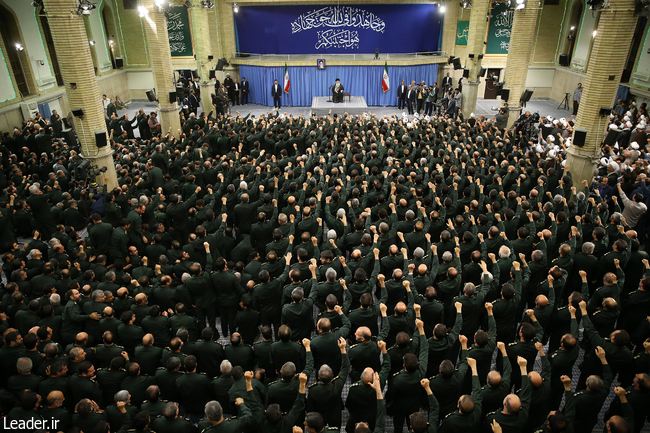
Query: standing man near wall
(244, 91)
(577, 94)
(276, 93)
(401, 96)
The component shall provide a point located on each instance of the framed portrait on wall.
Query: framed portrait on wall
(320, 64)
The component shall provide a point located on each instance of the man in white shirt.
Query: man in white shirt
(634, 209)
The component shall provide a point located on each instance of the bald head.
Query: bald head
(541, 301)
(147, 340)
(609, 304)
(363, 334)
(367, 375)
(493, 379)
(511, 404)
(616, 424)
(466, 404)
(535, 379)
(54, 399)
(400, 308)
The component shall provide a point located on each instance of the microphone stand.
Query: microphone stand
(330, 94)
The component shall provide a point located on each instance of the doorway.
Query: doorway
(492, 77)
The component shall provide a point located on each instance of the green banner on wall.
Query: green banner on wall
(461, 33)
(499, 29)
(180, 36)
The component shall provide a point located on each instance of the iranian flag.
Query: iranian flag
(287, 83)
(385, 83)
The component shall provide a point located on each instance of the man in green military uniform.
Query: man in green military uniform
(325, 395)
(73, 319)
(404, 388)
(285, 390)
(514, 415)
(244, 420)
(359, 402)
(171, 422)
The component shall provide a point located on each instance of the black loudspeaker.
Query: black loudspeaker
(499, 87)
(481, 72)
(579, 137)
(172, 97)
(119, 62)
(220, 64)
(564, 60)
(505, 94)
(605, 111)
(78, 113)
(151, 96)
(465, 73)
(457, 64)
(69, 137)
(130, 4)
(210, 57)
(100, 138)
(450, 60)
(525, 97)
(213, 74)
(195, 74)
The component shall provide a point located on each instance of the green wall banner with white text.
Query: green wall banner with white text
(499, 29)
(461, 33)
(180, 35)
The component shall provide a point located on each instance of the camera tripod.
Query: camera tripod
(565, 102)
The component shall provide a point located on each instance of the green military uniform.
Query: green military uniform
(325, 398)
(512, 423)
(194, 390)
(84, 387)
(176, 425)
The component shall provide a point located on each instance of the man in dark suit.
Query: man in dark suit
(446, 82)
(110, 109)
(194, 102)
(57, 123)
(244, 91)
(410, 98)
(276, 93)
(401, 96)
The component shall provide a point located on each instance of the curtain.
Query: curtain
(622, 93)
(45, 111)
(308, 82)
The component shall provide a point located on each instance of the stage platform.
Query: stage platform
(356, 105)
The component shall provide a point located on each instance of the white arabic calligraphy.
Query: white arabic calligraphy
(505, 45)
(176, 36)
(502, 33)
(177, 47)
(339, 38)
(504, 20)
(338, 16)
(174, 22)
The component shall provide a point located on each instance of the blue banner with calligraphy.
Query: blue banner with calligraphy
(338, 29)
